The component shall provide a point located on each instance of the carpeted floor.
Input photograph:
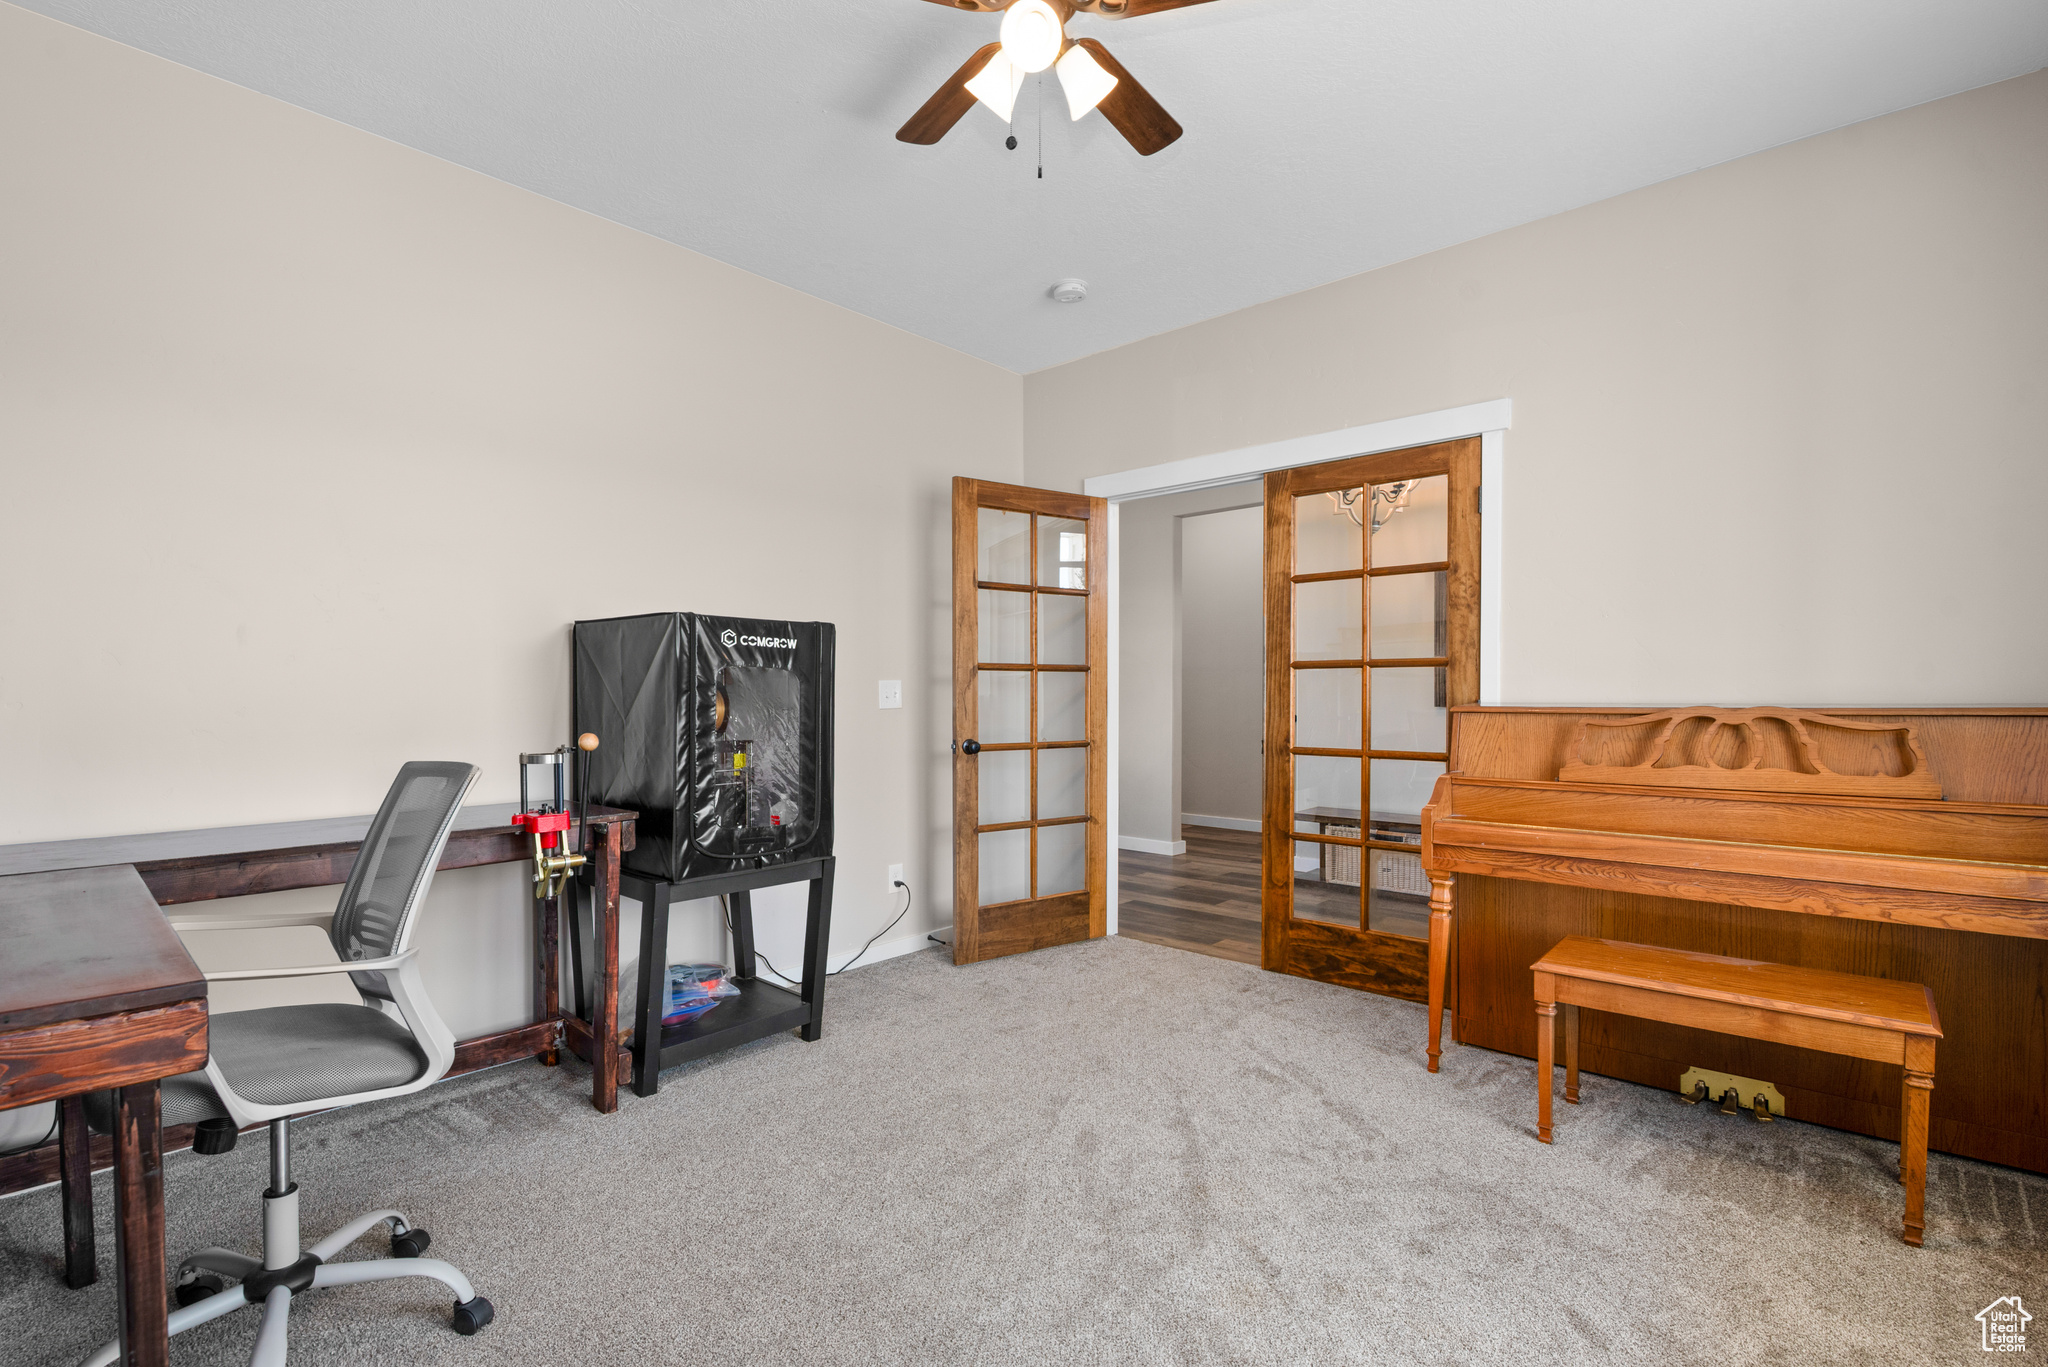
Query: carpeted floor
(1107, 1153)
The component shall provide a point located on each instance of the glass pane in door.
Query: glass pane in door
(1326, 620)
(1062, 553)
(1004, 547)
(1407, 713)
(1005, 866)
(1326, 537)
(1062, 629)
(1063, 705)
(1398, 900)
(1327, 704)
(1005, 786)
(1401, 787)
(1326, 884)
(1397, 893)
(1002, 706)
(1408, 616)
(1413, 521)
(1062, 783)
(1004, 623)
(1062, 859)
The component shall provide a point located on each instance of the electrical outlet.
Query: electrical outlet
(892, 692)
(895, 877)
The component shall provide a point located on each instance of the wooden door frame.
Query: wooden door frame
(1360, 957)
(1490, 421)
(1032, 923)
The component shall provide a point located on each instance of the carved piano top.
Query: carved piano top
(1931, 817)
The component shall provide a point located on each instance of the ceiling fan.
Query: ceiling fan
(1034, 38)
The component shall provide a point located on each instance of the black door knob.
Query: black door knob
(972, 747)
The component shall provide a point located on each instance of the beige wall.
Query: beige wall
(1149, 659)
(287, 412)
(314, 447)
(1222, 657)
(1778, 424)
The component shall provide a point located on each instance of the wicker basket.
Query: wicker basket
(1393, 871)
(1401, 873)
(1340, 862)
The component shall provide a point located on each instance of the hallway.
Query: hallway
(1207, 900)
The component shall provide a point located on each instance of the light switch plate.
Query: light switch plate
(892, 692)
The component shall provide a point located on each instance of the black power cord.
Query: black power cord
(908, 897)
(878, 934)
(56, 1116)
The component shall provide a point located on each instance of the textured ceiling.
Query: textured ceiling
(1324, 137)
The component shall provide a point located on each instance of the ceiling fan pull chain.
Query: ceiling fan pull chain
(1041, 127)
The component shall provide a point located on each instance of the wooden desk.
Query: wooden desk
(1909, 844)
(1836, 1013)
(234, 861)
(182, 867)
(99, 993)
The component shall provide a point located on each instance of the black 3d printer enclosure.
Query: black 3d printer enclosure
(717, 731)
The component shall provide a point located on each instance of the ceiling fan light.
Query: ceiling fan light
(1085, 82)
(996, 85)
(1031, 35)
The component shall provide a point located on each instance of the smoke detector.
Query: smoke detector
(1070, 291)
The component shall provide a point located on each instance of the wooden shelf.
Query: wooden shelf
(761, 1009)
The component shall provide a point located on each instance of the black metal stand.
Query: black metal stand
(762, 1008)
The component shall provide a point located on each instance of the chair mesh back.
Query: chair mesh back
(380, 903)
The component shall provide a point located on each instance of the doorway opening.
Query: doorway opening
(1191, 701)
(1341, 611)
(1191, 747)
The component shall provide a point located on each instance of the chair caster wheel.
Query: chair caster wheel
(472, 1315)
(411, 1244)
(195, 1284)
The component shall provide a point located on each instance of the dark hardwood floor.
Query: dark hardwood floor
(1207, 900)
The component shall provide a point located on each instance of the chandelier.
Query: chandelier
(1381, 502)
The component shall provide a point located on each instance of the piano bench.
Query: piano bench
(1841, 1013)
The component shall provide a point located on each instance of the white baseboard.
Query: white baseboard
(893, 948)
(1227, 823)
(1144, 846)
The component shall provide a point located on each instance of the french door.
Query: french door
(1372, 633)
(1030, 719)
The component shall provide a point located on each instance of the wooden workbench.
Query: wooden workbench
(100, 994)
(182, 867)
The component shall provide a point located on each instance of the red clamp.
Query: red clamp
(549, 826)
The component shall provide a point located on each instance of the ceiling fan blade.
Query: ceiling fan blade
(948, 103)
(1129, 9)
(1130, 108)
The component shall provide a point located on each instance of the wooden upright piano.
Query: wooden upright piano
(1895, 843)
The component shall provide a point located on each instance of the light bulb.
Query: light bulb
(996, 85)
(1084, 80)
(1031, 35)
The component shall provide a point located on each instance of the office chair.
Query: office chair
(277, 1062)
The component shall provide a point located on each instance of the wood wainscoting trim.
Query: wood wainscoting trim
(41, 1166)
